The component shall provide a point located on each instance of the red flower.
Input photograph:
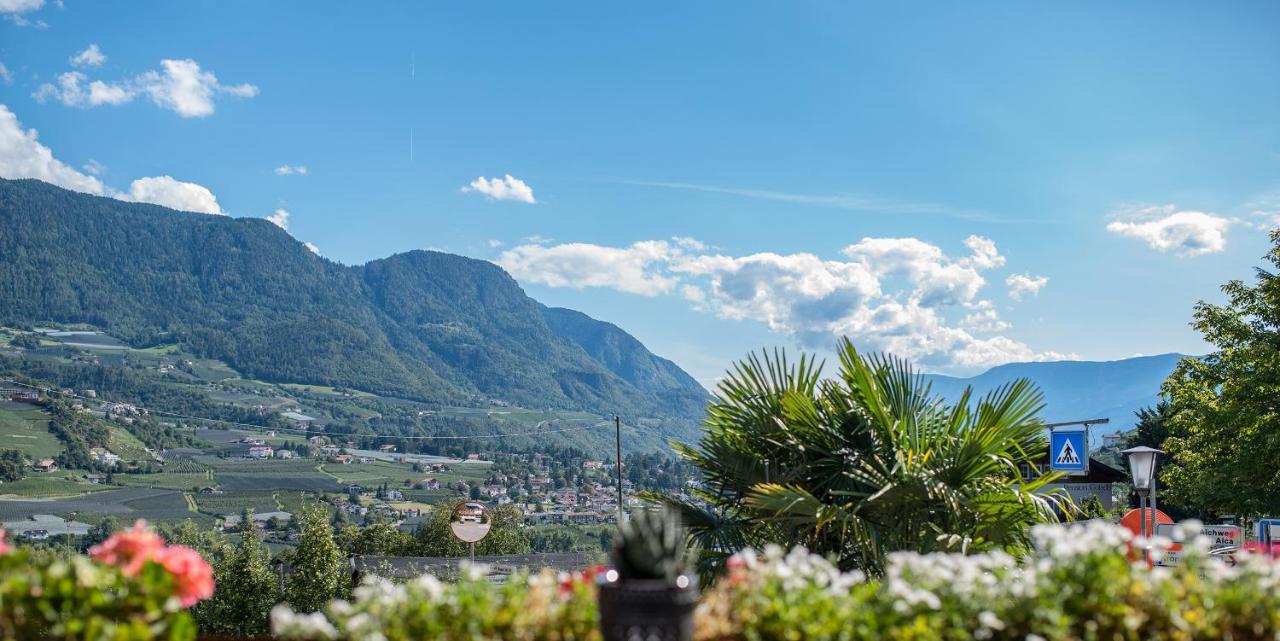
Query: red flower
(129, 549)
(589, 575)
(5, 548)
(192, 575)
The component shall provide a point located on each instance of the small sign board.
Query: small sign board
(1069, 452)
(1224, 536)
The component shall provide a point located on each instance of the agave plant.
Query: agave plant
(650, 546)
(865, 463)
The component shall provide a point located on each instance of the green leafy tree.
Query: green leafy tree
(381, 539)
(206, 541)
(101, 530)
(864, 463)
(318, 568)
(12, 465)
(1224, 434)
(246, 588)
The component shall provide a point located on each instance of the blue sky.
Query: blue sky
(965, 184)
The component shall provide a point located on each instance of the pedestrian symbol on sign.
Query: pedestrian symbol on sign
(1067, 455)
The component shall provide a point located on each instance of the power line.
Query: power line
(303, 431)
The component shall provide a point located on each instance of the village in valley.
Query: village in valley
(213, 472)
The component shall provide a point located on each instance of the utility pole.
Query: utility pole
(617, 424)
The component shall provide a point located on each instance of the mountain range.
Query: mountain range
(421, 325)
(1078, 390)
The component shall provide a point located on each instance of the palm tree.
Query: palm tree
(865, 463)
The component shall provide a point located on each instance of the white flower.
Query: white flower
(288, 624)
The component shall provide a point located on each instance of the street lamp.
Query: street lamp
(1142, 466)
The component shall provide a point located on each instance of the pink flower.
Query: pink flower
(129, 549)
(192, 576)
(5, 548)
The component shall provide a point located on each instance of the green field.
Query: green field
(126, 445)
(166, 479)
(50, 485)
(323, 389)
(379, 472)
(256, 500)
(26, 429)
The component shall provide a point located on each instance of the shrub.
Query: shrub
(1081, 585)
(541, 607)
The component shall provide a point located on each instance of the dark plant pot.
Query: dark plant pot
(650, 610)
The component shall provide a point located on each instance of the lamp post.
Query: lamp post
(1142, 466)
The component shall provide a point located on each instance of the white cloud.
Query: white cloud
(688, 242)
(938, 280)
(494, 243)
(290, 170)
(94, 167)
(1165, 229)
(20, 6)
(180, 86)
(22, 156)
(901, 295)
(984, 318)
(90, 57)
(5, 74)
(13, 11)
(507, 188)
(72, 91)
(280, 219)
(312, 248)
(174, 194)
(634, 269)
(1022, 284)
(186, 89)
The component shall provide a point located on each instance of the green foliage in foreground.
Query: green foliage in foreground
(44, 595)
(1079, 586)
(865, 463)
(1224, 435)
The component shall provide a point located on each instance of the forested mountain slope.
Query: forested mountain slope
(422, 325)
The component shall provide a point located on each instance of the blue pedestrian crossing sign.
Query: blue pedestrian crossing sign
(1068, 451)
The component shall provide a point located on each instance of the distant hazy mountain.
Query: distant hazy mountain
(421, 325)
(1077, 390)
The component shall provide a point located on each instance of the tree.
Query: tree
(1152, 428)
(246, 588)
(101, 531)
(1224, 434)
(12, 465)
(379, 539)
(865, 463)
(318, 567)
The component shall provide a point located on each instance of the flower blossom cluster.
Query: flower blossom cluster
(1082, 580)
(793, 569)
(471, 608)
(131, 549)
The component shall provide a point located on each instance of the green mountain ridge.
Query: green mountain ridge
(421, 325)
